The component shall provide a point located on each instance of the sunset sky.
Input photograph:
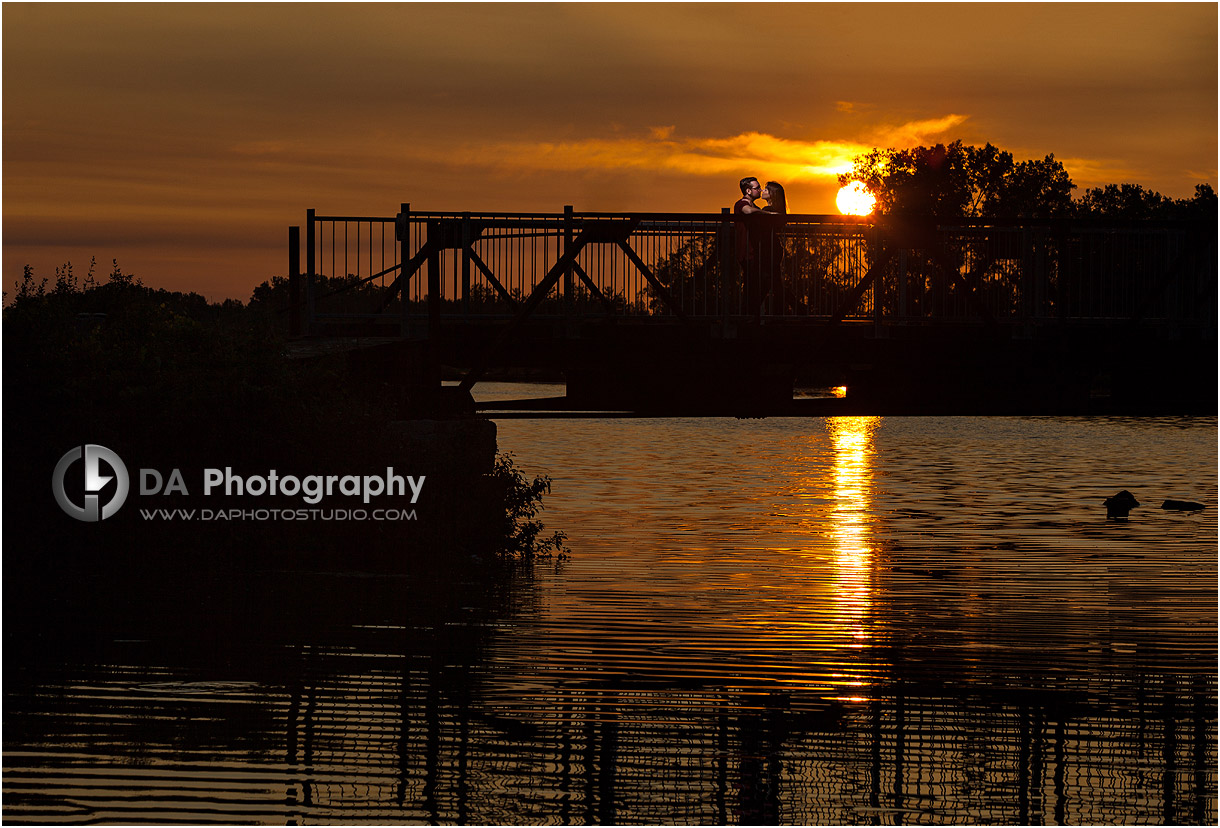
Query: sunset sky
(184, 139)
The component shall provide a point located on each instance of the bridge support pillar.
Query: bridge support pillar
(408, 377)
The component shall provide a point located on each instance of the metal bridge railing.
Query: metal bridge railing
(417, 268)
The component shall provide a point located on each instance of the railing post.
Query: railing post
(1026, 303)
(878, 281)
(311, 287)
(728, 262)
(936, 234)
(466, 242)
(904, 278)
(402, 230)
(1039, 274)
(434, 282)
(295, 311)
(1063, 275)
(569, 288)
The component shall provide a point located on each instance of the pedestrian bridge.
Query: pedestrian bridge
(640, 307)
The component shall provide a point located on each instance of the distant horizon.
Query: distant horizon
(183, 140)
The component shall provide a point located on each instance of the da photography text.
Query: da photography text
(86, 493)
(312, 488)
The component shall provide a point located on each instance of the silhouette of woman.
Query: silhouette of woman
(772, 247)
(776, 201)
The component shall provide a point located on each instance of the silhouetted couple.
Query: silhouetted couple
(760, 251)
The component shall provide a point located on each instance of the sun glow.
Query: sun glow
(855, 200)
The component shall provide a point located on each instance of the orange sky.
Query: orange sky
(184, 139)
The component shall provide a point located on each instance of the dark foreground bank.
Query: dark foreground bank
(237, 461)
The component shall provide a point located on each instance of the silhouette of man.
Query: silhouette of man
(748, 240)
(750, 190)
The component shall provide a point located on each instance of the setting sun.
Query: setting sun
(855, 200)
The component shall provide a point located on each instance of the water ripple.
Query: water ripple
(840, 621)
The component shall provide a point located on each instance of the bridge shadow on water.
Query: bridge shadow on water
(325, 696)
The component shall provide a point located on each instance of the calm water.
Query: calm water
(843, 620)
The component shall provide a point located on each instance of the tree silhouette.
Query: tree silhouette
(960, 181)
(955, 180)
(1131, 201)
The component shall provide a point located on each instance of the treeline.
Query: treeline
(955, 180)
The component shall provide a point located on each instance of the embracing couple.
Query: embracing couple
(773, 193)
(760, 249)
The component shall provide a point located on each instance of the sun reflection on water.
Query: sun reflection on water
(852, 521)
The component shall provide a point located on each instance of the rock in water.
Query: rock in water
(1119, 505)
(1183, 505)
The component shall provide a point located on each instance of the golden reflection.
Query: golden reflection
(852, 520)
